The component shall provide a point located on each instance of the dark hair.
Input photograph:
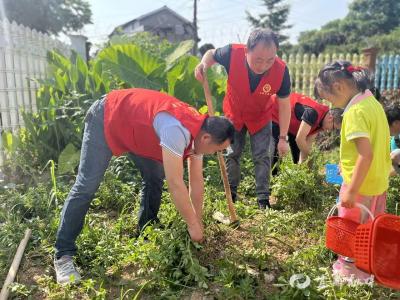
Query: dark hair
(260, 35)
(203, 49)
(220, 129)
(392, 113)
(377, 93)
(341, 69)
(337, 114)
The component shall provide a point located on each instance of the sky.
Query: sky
(220, 22)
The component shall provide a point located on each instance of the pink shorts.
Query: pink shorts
(376, 204)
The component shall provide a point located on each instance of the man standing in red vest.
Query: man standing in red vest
(255, 73)
(159, 132)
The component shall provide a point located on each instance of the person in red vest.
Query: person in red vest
(308, 117)
(255, 73)
(159, 132)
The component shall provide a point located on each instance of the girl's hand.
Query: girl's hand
(364, 160)
(348, 199)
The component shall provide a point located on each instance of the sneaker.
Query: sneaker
(345, 272)
(234, 194)
(65, 270)
(263, 205)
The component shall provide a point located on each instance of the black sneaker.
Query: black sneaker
(263, 205)
(234, 194)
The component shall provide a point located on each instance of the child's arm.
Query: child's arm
(365, 156)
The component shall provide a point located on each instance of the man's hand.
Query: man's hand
(284, 120)
(283, 147)
(196, 232)
(206, 62)
(199, 72)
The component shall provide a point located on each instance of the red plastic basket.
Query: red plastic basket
(340, 235)
(341, 232)
(377, 249)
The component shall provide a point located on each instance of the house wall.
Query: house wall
(164, 24)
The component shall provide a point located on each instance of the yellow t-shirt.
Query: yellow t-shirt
(366, 118)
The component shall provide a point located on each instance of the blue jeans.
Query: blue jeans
(94, 160)
(261, 151)
(152, 173)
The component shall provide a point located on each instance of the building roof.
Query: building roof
(154, 12)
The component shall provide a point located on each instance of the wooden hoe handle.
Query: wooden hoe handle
(221, 160)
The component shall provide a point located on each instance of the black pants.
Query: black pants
(294, 149)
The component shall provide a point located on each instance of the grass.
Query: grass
(255, 261)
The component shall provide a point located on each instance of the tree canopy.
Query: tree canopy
(275, 18)
(49, 16)
(368, 23)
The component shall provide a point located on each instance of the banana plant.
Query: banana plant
(72, 85)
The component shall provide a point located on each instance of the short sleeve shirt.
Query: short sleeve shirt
(172, 134)
(306, 114)
(366, 119)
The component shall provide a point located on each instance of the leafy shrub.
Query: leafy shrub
(393, 195)
(114, 194)
(390, 97)
(302, 186)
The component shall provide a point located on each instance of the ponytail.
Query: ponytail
(339, 70)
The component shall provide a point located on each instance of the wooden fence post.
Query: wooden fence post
(383, 72)
(313, 75)
(369, 60)
(396, 72)
(298, 73)
(389, 83)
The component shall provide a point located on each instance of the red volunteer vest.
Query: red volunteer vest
(242, 107)
(294, 125)
(128, 121)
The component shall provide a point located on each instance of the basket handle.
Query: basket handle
(357, 204)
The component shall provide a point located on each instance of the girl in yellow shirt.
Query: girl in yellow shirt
(364, 147)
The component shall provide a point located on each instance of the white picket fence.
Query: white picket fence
(22, 60)
(304, 68)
